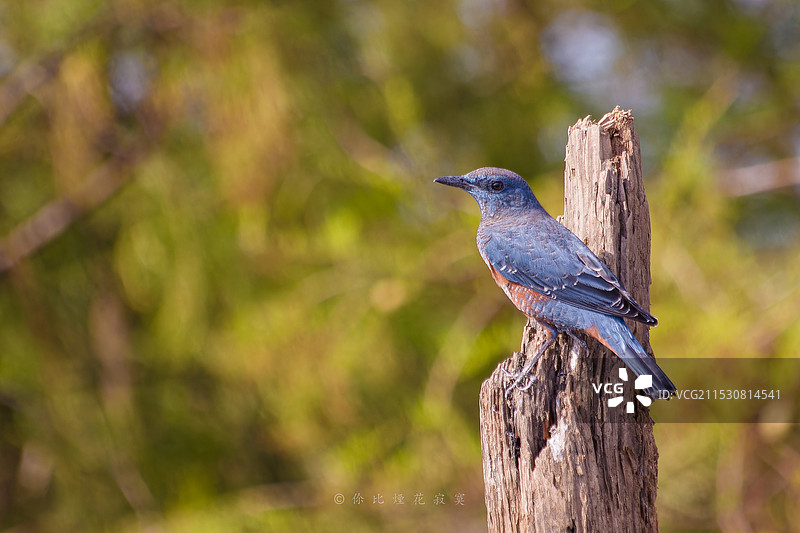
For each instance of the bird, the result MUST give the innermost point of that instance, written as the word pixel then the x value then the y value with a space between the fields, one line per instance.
pixel 550 275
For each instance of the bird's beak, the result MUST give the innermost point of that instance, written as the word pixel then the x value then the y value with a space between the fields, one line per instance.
pixel 454 181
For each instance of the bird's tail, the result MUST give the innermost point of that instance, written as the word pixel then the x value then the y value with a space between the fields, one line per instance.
pixel 617 337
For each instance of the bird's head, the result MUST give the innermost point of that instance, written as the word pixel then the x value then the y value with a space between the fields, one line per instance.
pixel 496 190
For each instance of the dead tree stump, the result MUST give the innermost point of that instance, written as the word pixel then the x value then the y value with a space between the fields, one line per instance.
pixel 556 457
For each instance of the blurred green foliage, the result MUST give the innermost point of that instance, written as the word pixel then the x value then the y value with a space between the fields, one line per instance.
pixel 275 305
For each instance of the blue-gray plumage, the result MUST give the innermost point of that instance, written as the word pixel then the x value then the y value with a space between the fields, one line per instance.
pixel 551 275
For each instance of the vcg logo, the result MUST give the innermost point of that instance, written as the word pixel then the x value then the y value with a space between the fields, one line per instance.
pixel 644 381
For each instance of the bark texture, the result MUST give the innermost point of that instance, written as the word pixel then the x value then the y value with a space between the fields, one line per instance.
pixel 556 457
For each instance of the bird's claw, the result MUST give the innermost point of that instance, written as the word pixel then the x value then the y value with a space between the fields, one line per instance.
pixel 518 378
pixel 527 370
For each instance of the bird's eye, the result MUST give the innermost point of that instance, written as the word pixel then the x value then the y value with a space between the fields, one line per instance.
pixel 497 185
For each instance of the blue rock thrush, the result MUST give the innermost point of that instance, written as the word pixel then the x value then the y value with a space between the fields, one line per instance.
pixel 551 275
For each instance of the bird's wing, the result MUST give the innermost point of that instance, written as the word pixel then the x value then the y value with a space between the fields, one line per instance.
pixel 561 266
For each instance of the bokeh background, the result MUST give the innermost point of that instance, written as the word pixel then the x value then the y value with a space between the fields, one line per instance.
pixel 231 292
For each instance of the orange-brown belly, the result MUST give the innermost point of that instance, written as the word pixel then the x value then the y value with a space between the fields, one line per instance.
pixel 524 298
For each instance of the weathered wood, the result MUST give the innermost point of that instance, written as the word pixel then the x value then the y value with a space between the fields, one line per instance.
pixel 556 457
